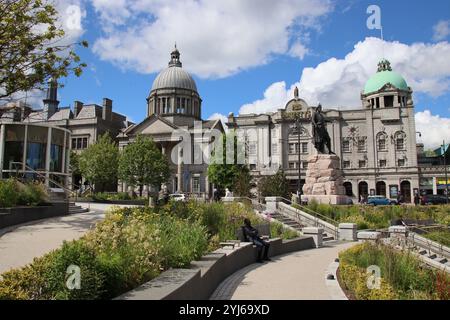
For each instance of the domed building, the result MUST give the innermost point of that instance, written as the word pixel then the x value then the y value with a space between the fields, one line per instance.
pixel 174 122
pixel 376 144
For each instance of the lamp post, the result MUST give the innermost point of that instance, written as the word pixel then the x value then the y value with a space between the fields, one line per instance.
pixel 445 170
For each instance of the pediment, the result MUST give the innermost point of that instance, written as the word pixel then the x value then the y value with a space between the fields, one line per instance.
pixel 153 125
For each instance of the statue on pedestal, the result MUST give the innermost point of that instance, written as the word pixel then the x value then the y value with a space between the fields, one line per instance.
pixel 320 133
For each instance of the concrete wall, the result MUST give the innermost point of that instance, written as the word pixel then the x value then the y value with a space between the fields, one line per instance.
pixel 205 275
pixel 13 216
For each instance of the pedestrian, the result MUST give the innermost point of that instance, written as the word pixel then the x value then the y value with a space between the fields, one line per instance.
pixel 251 234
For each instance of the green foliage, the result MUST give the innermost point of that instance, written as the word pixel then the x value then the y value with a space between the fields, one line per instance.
pixel 130 247
pixel 29 58
pixel 276 185
pixel 439 236
pixel 142 163
pixel 225 171
pixel 98 163
pixel 370 217
pixel 8 193
pixel 403 276
pixel 74 163
pixel 14 193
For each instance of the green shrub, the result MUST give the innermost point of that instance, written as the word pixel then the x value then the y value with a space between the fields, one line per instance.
pixel 442 237
pixel 32 194
pixel 402 272
pixel 8 193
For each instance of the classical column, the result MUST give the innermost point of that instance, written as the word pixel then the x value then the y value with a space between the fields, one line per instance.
pixel 48 156
pixel 2 148
pixel 180 169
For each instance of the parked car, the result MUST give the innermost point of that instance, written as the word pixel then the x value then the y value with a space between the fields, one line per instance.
pixel 433 199
pixel 177 197
pixel 379 201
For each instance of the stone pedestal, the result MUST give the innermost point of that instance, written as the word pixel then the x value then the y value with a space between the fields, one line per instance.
pixel 347 231
pixel 315 233
pixel 324 180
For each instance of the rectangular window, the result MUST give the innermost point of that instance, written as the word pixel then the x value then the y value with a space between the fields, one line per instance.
pixel 304 147
pixel 400 144
pixel 252 166
pixel 292 148
pixel 401 162
pixel 388 101
pixel 196 185
pixel 85 143
pixel 292 165
pixel 362 163
pixel 346 164
pixel 383 163
pixel 74 143
pixel 79 142
pixel 305 164
pixel 346 146
pixel 362 145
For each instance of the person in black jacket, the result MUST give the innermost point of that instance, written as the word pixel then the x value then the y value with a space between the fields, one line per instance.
pixel 251 234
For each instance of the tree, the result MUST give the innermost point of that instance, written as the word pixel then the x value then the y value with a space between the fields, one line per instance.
pixel 31 48
pixel 229 175
pixel 74 163
pixel 142 163
pixel 98 163
pixel 274 186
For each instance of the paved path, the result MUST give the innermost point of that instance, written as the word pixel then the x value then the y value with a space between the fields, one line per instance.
pixel 296 276
pixel 19 246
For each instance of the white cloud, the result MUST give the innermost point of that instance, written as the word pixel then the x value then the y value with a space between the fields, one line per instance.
pixel 275 97
pixel 434 129
pixel 441 30
pixel 216 38
pixel 339 82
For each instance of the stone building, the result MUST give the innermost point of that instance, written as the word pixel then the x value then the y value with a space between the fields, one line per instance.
pixel 376 143
pixel 175 124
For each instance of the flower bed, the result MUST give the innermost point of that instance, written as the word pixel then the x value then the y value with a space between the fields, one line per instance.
pixel 14 193
pixel 402 275
pixel 130 247
pixel 370 217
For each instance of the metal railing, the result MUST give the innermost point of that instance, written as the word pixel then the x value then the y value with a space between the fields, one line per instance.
pixel 311 220
pixel 311 212
pixel 28 169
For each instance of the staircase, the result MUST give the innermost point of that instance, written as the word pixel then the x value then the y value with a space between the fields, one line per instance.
pixel 297 220
pixel 432 253
pixel 73 208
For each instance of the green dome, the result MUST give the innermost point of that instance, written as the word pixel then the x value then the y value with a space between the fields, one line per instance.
pixel 384 76
pixel 379 79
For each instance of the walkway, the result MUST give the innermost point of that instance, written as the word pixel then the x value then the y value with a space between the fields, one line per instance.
pixel 296 276
pixel 19 246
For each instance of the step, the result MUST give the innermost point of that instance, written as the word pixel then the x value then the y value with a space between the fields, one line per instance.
pixel 327 238
pixel 82 210
pixel 432 256
pixel 423 252
pixel 441 260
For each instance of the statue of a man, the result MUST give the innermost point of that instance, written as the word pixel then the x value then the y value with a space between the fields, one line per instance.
pixel 321 136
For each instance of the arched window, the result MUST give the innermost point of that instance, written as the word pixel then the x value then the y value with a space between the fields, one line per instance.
pixel 400 140
pixel 382 141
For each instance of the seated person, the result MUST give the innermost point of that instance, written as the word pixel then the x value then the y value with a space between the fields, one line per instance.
pixel 251 234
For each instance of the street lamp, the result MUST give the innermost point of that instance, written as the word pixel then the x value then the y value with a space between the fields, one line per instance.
pixel 445 170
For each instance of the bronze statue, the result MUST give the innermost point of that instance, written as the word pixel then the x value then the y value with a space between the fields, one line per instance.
pixel 320 133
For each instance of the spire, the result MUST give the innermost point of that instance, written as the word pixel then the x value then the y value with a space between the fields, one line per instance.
pixel 51 100
pixel 52 90
pixel 296 92
pixel 175 58
pixel 384 65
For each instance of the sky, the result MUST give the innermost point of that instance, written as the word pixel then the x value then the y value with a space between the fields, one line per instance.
pixel 246 56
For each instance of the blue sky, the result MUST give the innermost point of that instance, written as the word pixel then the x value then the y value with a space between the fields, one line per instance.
pixel 242 53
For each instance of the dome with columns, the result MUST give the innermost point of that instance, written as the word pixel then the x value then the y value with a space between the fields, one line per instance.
pixel 174 91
